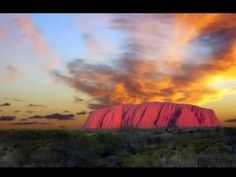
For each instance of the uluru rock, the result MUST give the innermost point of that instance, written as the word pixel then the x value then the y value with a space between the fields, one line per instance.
pixel 152 115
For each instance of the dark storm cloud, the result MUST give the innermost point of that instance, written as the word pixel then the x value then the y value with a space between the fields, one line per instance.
pixel 96 106
pixel 7 118
pixel 220 41
pixel 5 104
pixel 24 119
pixel 55 116
pixel 29 123
pixel 36 105
pixel 58 116
pixel 36 117
pixel 81 113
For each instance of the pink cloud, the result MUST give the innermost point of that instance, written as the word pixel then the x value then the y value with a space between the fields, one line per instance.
pixel 38 41
pixel 12 72
pixel 23 48
pixel 99 45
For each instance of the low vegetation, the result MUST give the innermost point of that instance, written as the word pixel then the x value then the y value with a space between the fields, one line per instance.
pixel 122 148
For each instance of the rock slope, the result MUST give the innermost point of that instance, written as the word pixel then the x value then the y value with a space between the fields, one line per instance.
pixel 152 115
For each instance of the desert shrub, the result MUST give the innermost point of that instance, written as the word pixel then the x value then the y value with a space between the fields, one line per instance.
pixel 108 144
pixel 216 160
pixel 113 161
pixel 75 151
pixel 44 157
pixel 133 139
pixel 125 148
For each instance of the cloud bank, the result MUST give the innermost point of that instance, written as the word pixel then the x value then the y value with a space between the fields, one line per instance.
pixel 36 105
pixel 230 120
pixel 54 116
pixel 5 104
pixel 165 57
pixel 77 99
pixel 30 123
pixel 7 118
pixel 81 113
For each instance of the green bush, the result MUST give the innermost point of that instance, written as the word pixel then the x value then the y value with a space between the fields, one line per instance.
pixel 128 147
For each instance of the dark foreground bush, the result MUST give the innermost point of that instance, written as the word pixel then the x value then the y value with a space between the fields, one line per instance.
pixel 123 148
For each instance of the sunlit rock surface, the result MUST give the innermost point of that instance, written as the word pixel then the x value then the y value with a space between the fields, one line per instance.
pixel 152 115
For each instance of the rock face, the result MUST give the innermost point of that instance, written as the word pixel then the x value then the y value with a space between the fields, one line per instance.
pixel 152 115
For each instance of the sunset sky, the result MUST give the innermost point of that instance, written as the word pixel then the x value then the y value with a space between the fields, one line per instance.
pixel 56 68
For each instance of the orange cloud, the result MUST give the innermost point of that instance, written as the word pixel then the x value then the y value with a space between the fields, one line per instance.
pixel 167 57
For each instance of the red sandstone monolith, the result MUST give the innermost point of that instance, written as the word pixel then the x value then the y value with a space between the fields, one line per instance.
pixel 152 115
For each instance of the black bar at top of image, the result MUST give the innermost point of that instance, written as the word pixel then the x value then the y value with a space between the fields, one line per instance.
pixel 123 6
